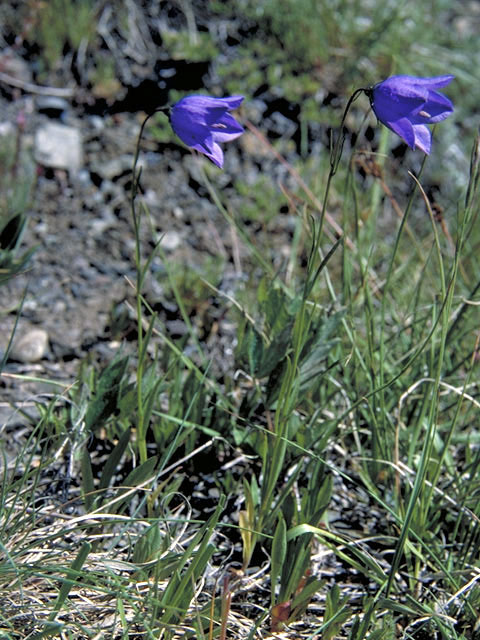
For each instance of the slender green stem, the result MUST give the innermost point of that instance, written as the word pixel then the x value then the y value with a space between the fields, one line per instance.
pixel 141 271
pixel 335 157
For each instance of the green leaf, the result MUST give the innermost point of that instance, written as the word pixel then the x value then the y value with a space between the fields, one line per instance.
pixel 141 473
pixel 148 545
pixel 276 351
pixel 135 478
pixel 336 613
pixel 105 398
pixel 254 350
pixel 113 460
pixel 50 629
pixel 274 306
pixel 12 231
pixel 301 600
pixel 295 567
pixel 10 239
pixel 279 551
pixel 247 519
pixel 275 381
pixel 317 496
pixel 322 339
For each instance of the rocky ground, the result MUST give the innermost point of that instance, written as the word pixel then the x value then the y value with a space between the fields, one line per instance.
pixel 72 300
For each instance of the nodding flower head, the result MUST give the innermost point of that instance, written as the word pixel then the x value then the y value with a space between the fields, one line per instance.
pixel 406 104
pixel 202 122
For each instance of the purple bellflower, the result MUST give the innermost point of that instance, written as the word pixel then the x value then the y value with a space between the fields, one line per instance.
pixel 201 122
pixel 406 104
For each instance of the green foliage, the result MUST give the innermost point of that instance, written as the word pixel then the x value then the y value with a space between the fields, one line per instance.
pixel 194 46
pixel 73 573
pixel 291 552
pixel 107 389
pixel 315 47
pixel 17 173
pixel 264 351
pixel 189 569
pixel 159 128
pixel 62 22
pixel 103 77
pixel 189 283
pixel 336 613
pixel 189 412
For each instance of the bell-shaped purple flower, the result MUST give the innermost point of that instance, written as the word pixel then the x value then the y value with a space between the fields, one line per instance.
pixel 201 122
pixel 406 104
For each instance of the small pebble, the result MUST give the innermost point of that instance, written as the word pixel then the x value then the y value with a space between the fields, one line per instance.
pixel 59 147
pixel 171 240
pixel 30 347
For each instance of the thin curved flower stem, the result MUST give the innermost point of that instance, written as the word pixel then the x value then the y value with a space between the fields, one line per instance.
pixel 141 427
pixel 335 157
pixel 294 173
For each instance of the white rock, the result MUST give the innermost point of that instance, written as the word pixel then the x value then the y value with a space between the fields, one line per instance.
pixel 29 347
pixel 171 240
pixel 58 146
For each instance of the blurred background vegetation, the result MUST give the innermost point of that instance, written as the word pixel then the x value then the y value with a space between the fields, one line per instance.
pixel 302 51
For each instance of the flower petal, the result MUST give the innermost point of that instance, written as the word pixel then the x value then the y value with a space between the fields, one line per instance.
pixel 217 155
pixel 403 128
pixel 204 145
pixel 207 102
pixel 214 152
pixel 402 86
pixel 423 138
pixel 190 132
pixel 204 103
pixel 436 82
pixel 226 129
pixel 221 136
pixel 231 102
